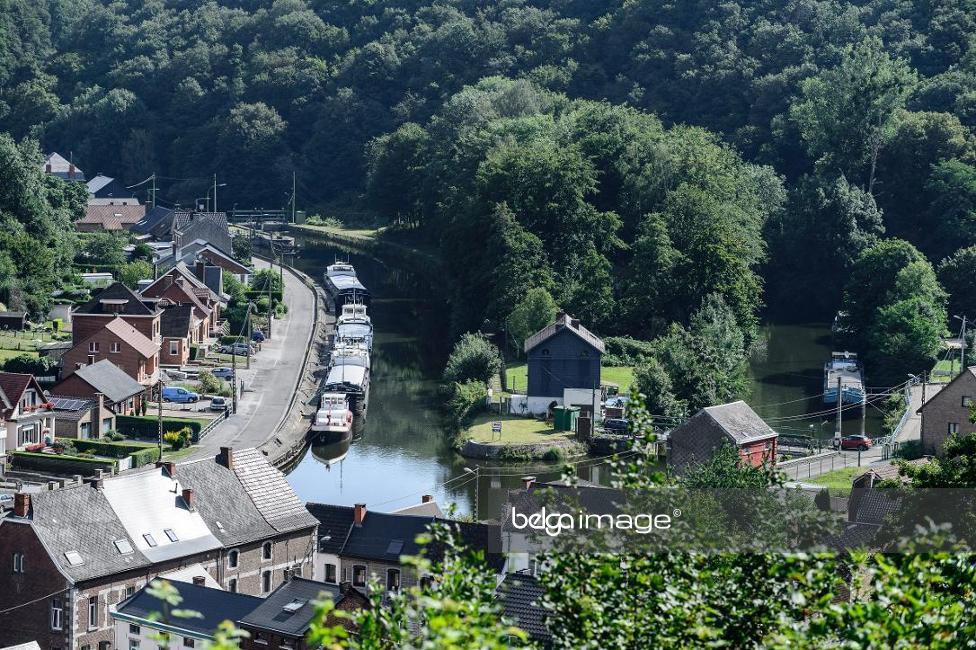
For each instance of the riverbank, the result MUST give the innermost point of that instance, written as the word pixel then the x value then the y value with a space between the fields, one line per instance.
pixel 375 241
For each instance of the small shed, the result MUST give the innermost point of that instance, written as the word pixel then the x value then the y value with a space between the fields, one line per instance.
pixel 13 320
pixel 563 355
pixel 697 440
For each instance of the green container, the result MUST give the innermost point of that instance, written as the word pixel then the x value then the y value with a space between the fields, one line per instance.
pixel 564 418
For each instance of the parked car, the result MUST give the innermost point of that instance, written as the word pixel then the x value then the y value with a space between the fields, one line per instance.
pixel 257 336
pixel 855 442
pixel 223 373
pixel 218 404
pixel 177 375
pixel 238 349
pixel 616 425
pixel 179 395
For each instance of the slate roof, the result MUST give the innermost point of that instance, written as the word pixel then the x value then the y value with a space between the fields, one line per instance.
pixel 60 167
pixel 116 291
pixel 81 519
pixel 98 183
pixel 182 220
pixel 142 344
pixel 157 221
pixel 113 217
pixel 110 380
pixel 190 252
pixel 271 615
pixel 334 524
pixel 270 492
pixel 872 506
pixel 520 595
pixel 175 321
pixel 736 420
pixel 564 322
pixel 215 606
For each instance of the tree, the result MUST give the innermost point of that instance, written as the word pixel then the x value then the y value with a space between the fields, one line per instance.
pixel 242 248
pixel 654 383
pixel 473 358
pixel 950 218
pixel 131 273
pixel 536 310
pixel 103 248
pixel 265 278
pixel 845 113
pixel 956 274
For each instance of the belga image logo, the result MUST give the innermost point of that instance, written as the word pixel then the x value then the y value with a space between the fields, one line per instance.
pixel 555 523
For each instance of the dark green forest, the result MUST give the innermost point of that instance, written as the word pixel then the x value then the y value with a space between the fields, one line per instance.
pixel 632 158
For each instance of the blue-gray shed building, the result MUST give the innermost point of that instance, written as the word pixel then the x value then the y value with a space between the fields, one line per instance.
pixel 563 355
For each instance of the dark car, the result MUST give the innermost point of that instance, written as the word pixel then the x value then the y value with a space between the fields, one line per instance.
pixel 855 442
pixel 616 425
pixel 257 336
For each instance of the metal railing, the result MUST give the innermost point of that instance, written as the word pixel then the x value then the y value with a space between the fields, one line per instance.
pixel 810 467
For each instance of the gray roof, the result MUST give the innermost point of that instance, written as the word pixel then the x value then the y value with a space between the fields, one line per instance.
pixel 99 182
pixel 521 595
pixel 110 380
pixel 157 221
pixel 594 500
pixel 71 408
pixel 134 305
pixel 271 614
pixel 334 525
pixel 175 321
pixel 736 421
pixel 61 167
pixel 270 492
pixel 564 322
pixel 214 605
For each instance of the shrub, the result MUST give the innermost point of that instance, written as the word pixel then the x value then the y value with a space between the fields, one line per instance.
pixel 61 464
pixel 329 222
pixel 228 339
pixel 208 383
pixel 626 351
pixel 178 439
pixel 146 427
pixel 474 358
pixel 463 401
pixel 144 456
pixel 27 364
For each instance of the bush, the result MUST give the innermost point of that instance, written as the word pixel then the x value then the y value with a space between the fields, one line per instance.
pixel 30 365
pixel 144 456
pixel 146 427
pixel 178 439
pixel 626 351
pixel 209 384
pixel 474 358
pixel 228 339
pixel 329 222
pixel 60 464
pixel 463 402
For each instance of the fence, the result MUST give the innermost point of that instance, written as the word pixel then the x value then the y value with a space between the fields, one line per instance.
pixel 213 425
pixel 814 466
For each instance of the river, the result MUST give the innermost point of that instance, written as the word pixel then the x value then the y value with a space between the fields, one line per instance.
pixel 401 452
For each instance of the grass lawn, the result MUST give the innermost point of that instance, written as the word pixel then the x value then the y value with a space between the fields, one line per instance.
pixel 514 430
pixel 353 233
pixel 517 375
pixel 176 455
pixel 838 480
pixel 10 354
pixel 944 371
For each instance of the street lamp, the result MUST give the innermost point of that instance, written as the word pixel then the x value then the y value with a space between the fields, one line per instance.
pixel 476 472
pixel 962 348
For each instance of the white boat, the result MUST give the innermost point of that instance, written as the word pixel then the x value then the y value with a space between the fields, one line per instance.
pixel 354 313
pixel 333 416
pixel 350 353
pixel 343 285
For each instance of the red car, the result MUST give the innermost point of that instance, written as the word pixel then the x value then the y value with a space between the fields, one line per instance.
pixel 855 442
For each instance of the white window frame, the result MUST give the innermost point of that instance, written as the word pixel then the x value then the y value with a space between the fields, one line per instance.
pixel 19 563
pixel 93 612
pixel 57 613
pixel 365 575
pixel 174 347
pixel 335 573
pixel 93 346
pixel 116 347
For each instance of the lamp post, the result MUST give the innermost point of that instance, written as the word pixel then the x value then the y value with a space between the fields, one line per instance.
pixel 962 349
pixel 476 472
pixel 159 416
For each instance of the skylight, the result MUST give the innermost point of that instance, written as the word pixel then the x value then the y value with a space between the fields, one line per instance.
pixel 395 547
pixel 172 536
pixel 123 546
pixel 294 606
pixel 150 540
pixel 73 557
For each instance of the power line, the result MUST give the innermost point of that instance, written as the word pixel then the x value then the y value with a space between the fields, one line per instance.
pixel 31 602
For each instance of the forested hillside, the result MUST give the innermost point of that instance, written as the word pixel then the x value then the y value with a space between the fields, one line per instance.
pixel 630 157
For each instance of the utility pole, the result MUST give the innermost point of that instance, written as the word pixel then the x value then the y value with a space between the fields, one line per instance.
pixel 962 362
pixel 293 188
pixel 215 193
pixel 233 363
pixel 477 489
pixel 152 190
pixel 840 405
pixel 159 420
pixel 864 411
pixel 247 343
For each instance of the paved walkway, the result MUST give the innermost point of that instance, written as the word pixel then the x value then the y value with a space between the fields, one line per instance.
pixel 273 376
pixel 913 425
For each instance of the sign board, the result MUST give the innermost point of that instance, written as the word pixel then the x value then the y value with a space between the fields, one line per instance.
pixel 496 427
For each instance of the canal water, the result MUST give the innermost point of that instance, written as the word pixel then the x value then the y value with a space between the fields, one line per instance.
pixel 401 451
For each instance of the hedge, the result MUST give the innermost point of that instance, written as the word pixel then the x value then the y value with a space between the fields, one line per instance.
pixel 140 453
pixel 147 427
pixel 61 464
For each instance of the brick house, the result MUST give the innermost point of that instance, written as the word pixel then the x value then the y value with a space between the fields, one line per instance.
pixel 180 328
pixel 25 414
pixel 353 546
pixel 80 550
pixel 122 395
pixel 179 286
pixel 115 300
pixel 947 412
pixel 82 418
pixel 123 345
pixel 698 438
pixel 203 252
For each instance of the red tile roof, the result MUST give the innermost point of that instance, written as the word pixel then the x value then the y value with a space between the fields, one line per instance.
pixel 113 217
pixel 133 337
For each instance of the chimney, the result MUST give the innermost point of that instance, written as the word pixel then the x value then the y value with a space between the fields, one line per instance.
pixel 97 482
pixel 91 359
pixel 175 250
pixel 22 504
pixel 199 269
pixel 427 498
pixel 71 170
pixel 527 481
pixel 100 397
pixel 358 514
pixel 169 466
pixel 47 168
pixel 199 581
pixel 226 457
pixel 189 499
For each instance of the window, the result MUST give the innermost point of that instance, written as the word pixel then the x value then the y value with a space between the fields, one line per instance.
pixel 266 581
pixel 116 347
pixel 57 613
pixel 85 430
pixel 74 558
pixel 129 590
pixel 106 425
pixel 232 585
pixel 134 629
pixel 189 643
pixel 93 346
pixel 123 546
pixel 330 573
pixel 93 612
pixel 266 551
pixel 86 647
pixel 133 644
pixel 393 579
pixel 359 576
pixel 232 558
pixel 171 535
pixel 18 563
pixel 953 428
pixel 150 540
pixel 174 347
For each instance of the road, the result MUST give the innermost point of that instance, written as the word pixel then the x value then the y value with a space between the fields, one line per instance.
pixel 273 376
pixel 913 425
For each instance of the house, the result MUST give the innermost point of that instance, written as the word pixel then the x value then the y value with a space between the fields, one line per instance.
pixel 138 624
pixel 352 547
pixel 13 320
pixel 128 200
pixel 115 218
pixel 157 223
pixel 947 412
pixel 211 255
pixel 180 328
pixel 123 395
pixel 79 550
pixel 25 416
pixel 115 300
pixel 212 227
pixel 179 286
pixel 282 620
pixel 698 438
pixel 57 165
pixel 126 347
pixel 563 356
pixel 106 187
pixel 81 418
pixel 520 595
